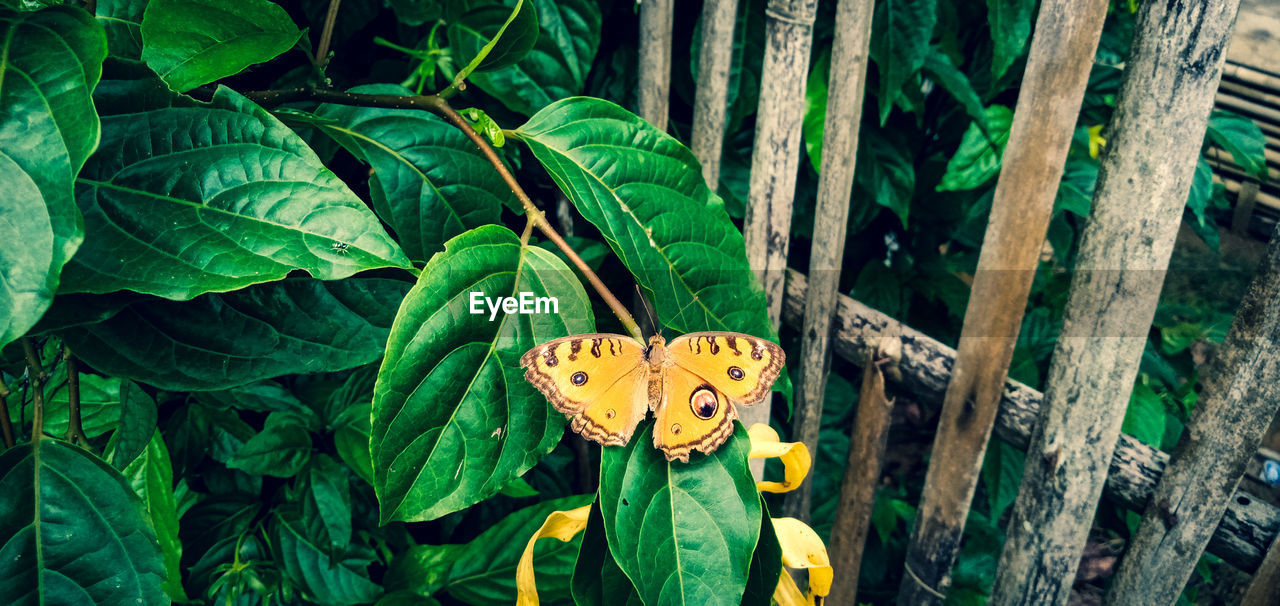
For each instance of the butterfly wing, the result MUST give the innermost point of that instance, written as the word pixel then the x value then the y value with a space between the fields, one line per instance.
pixel 597 380
pixel 693 415
pixel 739 366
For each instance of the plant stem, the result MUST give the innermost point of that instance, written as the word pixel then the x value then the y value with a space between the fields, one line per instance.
pixel 36 379
pixel 6 426
pixel 326 34
pixel 75 431
pixel 440 106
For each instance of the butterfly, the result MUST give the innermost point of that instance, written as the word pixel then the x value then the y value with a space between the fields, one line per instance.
pixel 606 384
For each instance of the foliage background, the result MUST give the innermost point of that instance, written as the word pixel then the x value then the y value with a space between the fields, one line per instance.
pixel 234 280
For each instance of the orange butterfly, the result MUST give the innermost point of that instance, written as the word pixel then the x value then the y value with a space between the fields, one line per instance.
pixel 606 384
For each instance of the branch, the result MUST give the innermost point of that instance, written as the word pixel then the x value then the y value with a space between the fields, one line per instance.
pixel 5 425
pixel 37 379
pixel 75 431
pixel 326 35
pixel 440 106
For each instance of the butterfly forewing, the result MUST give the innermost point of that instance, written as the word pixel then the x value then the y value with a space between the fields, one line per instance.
pixel 740 366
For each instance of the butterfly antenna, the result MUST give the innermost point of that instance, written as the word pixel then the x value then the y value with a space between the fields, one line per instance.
pixel 648 310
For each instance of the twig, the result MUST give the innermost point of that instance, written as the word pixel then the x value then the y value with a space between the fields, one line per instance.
pixel 440 106
pixel 326 35
pixel 6 426
pixel 75 432
pixel 36 381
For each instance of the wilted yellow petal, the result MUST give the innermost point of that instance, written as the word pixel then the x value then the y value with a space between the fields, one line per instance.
pixel 787 594
pixel 1096 142
pixel 794 456
pixel 801 548
pixel 563 525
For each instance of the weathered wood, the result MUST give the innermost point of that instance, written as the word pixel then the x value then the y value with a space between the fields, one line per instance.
pixel 715 58
pixel 654 74
pixel 839 156
pixel 1240 396
pixel 1057 72
pixel 923 368
pixel 858 488
pixel 1265 588
pixel 1246 200
pixel 775 158
pixel 1156 133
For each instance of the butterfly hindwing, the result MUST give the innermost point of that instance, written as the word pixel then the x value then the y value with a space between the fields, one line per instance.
pixel 597 380
pixel 740 366
pixel 693 415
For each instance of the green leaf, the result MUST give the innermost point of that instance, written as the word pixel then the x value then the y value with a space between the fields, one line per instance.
pixel 329 499
pixel 484 572
pixel 181 201
pixel 296 325
pixel 682 532
pixel 766 565
pixel 430 182
pixel 281 449
pixel 940 68
pixel 1010 22
pixel 151 477
pixel 416 12
pixel 1144 419
pixel 322 579
pixel 1241 138
pixel 1075 191
pixel 814 124
pixel 558 65
pixel 48 127
pixel 494 36
pixel 1001 474
pixel 886 174
pixel 122 21
pixel 597 580
pixel 194 42
pixel 422 569
pixel 351 440
pixel 73 531
pixel 451 394
pixel 519 489
pixel 99 406
pixel 262 396
pixel 978 160
pixel 900 34
pixel 137 424
pixel 643 190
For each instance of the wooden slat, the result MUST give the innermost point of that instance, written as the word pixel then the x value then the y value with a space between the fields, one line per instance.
pixel 715 57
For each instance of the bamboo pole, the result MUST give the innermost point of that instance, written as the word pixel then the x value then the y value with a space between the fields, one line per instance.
pixel 1057 71
pixel 858 488
pixel 922 367
pixel 1240 396
pixel 653 96
pixel 1157 129
pixel 846 84
pixel 775 158
pixel 715 59
pixel 1266 582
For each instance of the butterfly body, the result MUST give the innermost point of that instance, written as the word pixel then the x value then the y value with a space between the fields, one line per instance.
pixel 606 384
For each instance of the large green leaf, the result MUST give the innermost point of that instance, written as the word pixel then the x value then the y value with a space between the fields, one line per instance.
pixel 323 579
pixel 1010 29
pixel 218 341
pixel 643 190
pixel 453 418
pixel 122 21
pixel 484 572
pixel 194 42
pixel 181 201
pixel 900 36
pixel 683 532
pixel 138 418
pixel 558 64
pixel 939 67
pixel 597 580
pixel 978 159
pixel 430 182
pixel 72 531
pixel 1242 139
pixel 48 127
pixel 150 474
pixel 494 36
